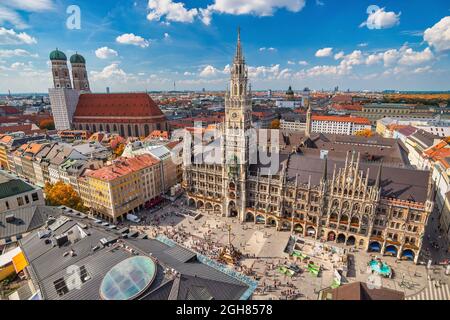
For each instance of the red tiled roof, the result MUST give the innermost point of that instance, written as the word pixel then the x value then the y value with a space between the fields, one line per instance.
pixel 117 105
pixel 26 128
pixel 9 110
pixel 123 167
pixel 348 107
pixel 357 120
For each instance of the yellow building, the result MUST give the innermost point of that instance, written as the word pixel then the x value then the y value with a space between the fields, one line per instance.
pixel 123 187
pixel 4 141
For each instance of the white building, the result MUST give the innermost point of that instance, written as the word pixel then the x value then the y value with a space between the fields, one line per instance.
pixel 292 125
pixel 63 102
pixel 436 126
pixel 339 125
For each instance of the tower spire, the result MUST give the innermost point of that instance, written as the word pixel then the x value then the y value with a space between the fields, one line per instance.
pixel 238 46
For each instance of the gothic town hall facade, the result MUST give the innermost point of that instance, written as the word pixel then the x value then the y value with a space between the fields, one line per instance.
pixel 376 206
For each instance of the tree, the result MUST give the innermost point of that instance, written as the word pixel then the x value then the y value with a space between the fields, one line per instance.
pixel 47 124
pixel 364 133
pixel 119 149
pixel 275 124
pixel 62 194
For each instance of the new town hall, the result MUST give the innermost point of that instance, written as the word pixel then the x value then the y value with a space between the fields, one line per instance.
pixel 353 190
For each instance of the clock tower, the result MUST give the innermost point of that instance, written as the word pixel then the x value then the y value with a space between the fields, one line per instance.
pixel 238 119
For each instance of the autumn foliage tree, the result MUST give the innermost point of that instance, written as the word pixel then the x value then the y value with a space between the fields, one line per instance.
pixel 119 149
pixel 364 133
pixel 275 124
pixel 62 194
pixel 47 124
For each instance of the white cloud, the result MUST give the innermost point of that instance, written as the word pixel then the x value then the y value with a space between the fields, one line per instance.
pixel 291 62
pixel 209 71
pixel 12 17
pixel 339 55
pixel 8 10
pixel 9 36
pixel 105 53
pixel 325 52
pixel 438 36
pixel 422 70
pixel 16 53
pixel 374 59
pixel 380 19
pixel 17 65
pixel 111 71
pixel 256 7
pixel 267 49
pixel 303 63
pixel 410 57
pixel 166 35
pixel 31 5
pixel 130 38
pixel 363 44
pixel 171 11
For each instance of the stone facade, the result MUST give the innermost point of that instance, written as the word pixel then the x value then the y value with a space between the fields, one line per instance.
pixel 359 204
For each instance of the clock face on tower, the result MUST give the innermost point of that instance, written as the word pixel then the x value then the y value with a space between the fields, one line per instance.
pixel 234 115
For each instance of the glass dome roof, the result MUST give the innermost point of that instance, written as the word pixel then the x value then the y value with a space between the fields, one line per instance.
pixel 128 279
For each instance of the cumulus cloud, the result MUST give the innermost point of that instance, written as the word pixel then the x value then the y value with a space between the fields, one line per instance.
pixel 130 38
pixel 303 63
pixel 438 36
pixel 380 19
pixel 105 53
pixel 16 53
pixel 111 71
pixel 325 52
pixel 256 7
pixel 9 36
pixel 209 71
pixel 410 57
pixel 171 11
pixel 339 55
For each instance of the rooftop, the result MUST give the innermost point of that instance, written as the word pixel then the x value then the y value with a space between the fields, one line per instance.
pixel 356 120
pixel 11 185
pixel 117 105
pixel 175 272
pixel 123 166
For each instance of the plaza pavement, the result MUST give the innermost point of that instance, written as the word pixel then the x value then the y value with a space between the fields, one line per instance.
pixel 267 246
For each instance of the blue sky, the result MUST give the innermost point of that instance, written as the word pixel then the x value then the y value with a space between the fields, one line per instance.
pixel 139 45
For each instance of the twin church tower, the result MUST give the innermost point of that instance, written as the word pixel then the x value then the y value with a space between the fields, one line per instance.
pixel 66 91
pixel 61 75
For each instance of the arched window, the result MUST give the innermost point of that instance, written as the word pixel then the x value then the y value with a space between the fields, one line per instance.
pixel 94 128
pixel 146 130
pixel 101 127
pixel 107 128
pixel 136 130
pixel 129 130
pixel 122 130
pixel 114 128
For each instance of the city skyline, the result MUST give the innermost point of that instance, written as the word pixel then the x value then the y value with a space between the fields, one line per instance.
pixel 149 45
